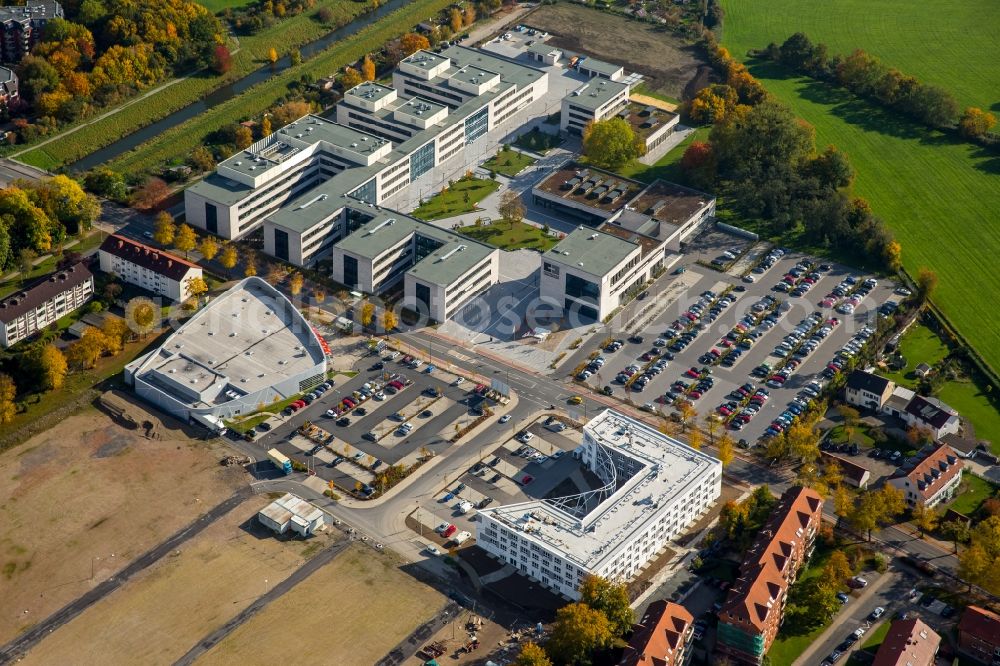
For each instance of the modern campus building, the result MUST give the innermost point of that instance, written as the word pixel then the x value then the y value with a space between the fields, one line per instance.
pixel 593 101
pixel 22 26
pixel 753 610
pixel 654 488
pixel 979 635
pixel 630 231
pixel 440 270
pixel 28 311
pixel 931 479
pixel 661 638
pixel 154 270
pixel 249 347
pixel 908 643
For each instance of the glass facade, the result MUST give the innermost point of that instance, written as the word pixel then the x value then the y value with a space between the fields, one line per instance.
pixel 477 124
pixel 423 294
pixel 211 218
pixel 281 244
pixel 366 192
pixel 585 290
pixel 424 246
pixel 350 271
pixel 422 161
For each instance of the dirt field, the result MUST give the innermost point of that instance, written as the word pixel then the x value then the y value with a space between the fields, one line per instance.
pixel 352 611
pixel 159 615
pixel 83 499
pixel 667 62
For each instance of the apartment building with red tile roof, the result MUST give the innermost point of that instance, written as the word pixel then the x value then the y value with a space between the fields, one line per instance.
pixel 933 479
pixel 979 635
pixel 661 637
pixel 750 617
pixel 908 643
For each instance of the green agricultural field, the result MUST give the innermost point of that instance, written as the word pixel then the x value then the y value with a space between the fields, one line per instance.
pixel 937 194
pixel 951 43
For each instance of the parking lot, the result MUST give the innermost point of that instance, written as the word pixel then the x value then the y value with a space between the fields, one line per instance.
pixel 732 326
pixel 432 403
pixel 517 469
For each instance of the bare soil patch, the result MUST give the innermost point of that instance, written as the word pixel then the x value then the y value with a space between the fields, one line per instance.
pixel 352 611
pixel 81 500
pixel 159 615
pixel 667 61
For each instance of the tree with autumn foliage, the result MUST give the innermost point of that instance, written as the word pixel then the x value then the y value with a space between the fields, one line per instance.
pixel 350 78
pixel 455 19
pixel 713 103
pixel 532 655
pixel 411 42
pixel 611 143
pixel 610 599
pixel 976 123
pixel 578 634
pixel 368 68
pixel 698 164
pixel 222 60
pixel 151 194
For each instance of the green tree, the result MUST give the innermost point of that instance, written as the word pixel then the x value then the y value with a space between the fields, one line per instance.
pixel 164 229
pixel 185 240
pixel 957 532
pixel 611 599
pixel 611 143
pixel 924 518
pixel 532 655
pixel 577 634
pixel 201 159
pixel 64 201
pixel 979 564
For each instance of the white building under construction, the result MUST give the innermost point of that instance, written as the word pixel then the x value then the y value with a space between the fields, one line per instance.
pixel 655 487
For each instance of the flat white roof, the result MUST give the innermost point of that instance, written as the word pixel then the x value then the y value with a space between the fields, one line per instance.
pixel 291 508
pixel 668 469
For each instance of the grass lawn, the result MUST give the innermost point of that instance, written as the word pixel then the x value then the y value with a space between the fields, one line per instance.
pixel 176 144
pixel 509 162
pixel 667 167
pixel 860 436
pixel 506 237
pixel 934 191
pixel 461 197
pixel 919 345
pixel 538 141
pixel 972 492
pixel 216 6
pixel 876 637
pixel 643 89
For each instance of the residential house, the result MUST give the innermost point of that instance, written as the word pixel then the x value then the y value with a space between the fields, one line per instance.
pixel 854 474
pixel 661 638
pixel 867 390
pixel 932 415
pixel 22 26
pixel 750 617
pixel 157 271
pixel 908 643
pixel 26 312
pixel 979 635
pixel 8 87
pixel 932 479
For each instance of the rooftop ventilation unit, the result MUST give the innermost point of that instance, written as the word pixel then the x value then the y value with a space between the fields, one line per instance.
pixel 319 197
pixel 378 226
pixel 460 248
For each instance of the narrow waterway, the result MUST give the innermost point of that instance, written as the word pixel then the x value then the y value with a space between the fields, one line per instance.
pixel 227 92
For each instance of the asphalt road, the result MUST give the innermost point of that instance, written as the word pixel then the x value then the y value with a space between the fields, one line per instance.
pixel 25 641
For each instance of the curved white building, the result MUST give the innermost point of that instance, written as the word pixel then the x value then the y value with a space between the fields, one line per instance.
pixel 248 348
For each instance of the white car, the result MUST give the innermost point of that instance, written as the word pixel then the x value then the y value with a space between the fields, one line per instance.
pixel 379 396
pixel 331 413
pixel 877 613
pixel 458 381
pixel 432 549
pixel 505 418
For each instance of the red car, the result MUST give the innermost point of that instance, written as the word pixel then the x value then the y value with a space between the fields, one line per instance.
pixel 692 373
pixel 695 395
pixel 526 479
pixel 724 410
pixel 451 529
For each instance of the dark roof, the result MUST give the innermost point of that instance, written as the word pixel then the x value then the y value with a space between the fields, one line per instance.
pixel 155 260
pixel 981 623
pixel 848 468
pixel 859 380
pixel 48 288
pixel 927 412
